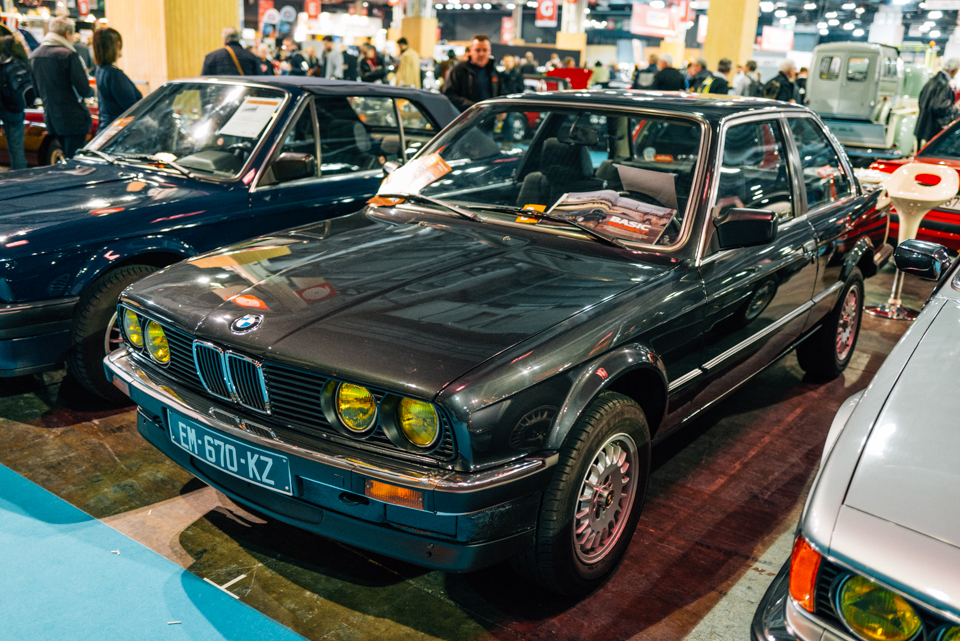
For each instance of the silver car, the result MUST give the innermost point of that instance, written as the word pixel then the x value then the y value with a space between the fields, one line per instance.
pixel 877 553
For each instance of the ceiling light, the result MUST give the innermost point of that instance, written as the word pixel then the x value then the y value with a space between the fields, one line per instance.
pixel 810 6
pixel 935 33
pixel 860 10
pixel 848 26
pixel 830 14
pixel 833 23
pixel 929 24
pixel 586 11
pixel 821 25
pixel 487 6
pixel 849 6
pixel 858 32
pixel 924 28
pixel 935 15
pixel 824 32
pixel 900 2
pixel 766 7
pixel 780 13
pixel 656 4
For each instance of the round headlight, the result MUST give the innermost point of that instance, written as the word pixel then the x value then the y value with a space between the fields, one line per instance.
pixel 875 613
pixel 949 634
pixel 418 422
pixel 131 328
pixel 356 407
pixel 157 343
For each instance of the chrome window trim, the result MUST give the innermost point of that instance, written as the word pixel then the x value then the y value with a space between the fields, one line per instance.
pixel 837 149
pixel 686 232
pixel 227 355
pixel 223 369
pixel 256 150
pixel 683 380
pixel 766 331
pixel 296 112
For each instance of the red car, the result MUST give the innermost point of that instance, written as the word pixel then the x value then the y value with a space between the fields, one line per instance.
pixel 942 225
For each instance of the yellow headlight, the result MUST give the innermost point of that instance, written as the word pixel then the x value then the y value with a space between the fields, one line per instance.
pixel 131 328
pixel 418 422
pixel 356 407
pixel 157 343
pixel 875 613
pixel 949 634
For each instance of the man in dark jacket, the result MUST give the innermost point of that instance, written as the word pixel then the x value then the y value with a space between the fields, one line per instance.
pixel 296 64
pixel 781 86
pixel 474 79
pixel 717 82
pixel 937 108
pixel 231 59
pixel 667 78
pixel 370 66
pixel 698 74
pixel 61 83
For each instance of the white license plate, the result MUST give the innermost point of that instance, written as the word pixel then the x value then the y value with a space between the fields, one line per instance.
pixel 233 456
pixel 951 205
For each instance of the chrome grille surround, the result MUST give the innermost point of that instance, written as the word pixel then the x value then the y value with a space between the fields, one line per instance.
pixel 231 376
pixel 211 367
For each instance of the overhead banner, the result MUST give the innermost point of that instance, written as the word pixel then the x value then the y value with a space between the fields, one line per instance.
pixel 776 39
pixel 312 7
pixel 506 29
pixel 546 13
pixel 702 29
pixel 662 23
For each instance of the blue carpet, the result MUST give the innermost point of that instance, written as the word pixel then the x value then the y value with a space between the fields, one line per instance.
pixel 60 580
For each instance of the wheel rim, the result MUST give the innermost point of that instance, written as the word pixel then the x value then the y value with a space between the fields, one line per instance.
pixel 605 499
pixel 847 326
pixel 57 156
pixel 760 300
pixel 113 339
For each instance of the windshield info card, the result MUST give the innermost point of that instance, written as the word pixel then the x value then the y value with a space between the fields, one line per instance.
pixel 616 215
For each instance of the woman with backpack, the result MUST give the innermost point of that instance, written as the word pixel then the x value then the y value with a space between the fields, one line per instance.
pixel 14 86
pixel 115 91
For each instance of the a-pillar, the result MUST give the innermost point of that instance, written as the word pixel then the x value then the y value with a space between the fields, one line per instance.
pixel 168 39
pixel 572 33
pixel 419 27
pixel 731 31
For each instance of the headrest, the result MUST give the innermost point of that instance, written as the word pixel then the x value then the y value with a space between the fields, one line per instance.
pixel 351 130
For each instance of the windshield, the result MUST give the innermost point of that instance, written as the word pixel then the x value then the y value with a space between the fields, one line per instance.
pixel 946 145
pixel 204 127
pixel 623 174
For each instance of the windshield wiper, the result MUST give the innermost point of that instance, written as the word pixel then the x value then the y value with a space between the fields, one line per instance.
pixel 533 213
pixel 463 213
pixel 154 158
pixel 100 154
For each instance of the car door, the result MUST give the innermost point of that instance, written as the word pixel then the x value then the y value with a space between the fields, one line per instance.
pixel 836 211
pixel 348 160
pixel 757 298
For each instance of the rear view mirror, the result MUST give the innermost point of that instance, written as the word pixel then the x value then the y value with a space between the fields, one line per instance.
pixel 745 227
pixel 920 258
pixel 293 166
pixel 390 166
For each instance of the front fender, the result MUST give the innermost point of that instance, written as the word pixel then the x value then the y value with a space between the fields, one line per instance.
pixel 862 248
pixel 596 377
pixel 123 251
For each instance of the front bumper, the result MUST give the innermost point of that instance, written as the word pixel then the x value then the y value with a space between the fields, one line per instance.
pixel 34 336
pixel 470 521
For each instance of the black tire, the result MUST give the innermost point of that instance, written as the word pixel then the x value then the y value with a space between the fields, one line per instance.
pixel 52 152
pixel 91 319
pixel 555 558
pixel 821 355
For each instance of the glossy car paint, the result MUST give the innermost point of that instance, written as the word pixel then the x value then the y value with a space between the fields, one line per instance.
pixel 63 226
pixel 888 452
pixel 492 322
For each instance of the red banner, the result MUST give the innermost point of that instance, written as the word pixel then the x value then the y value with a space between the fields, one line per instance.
pixel 312 7
pixel 546 13
pixel 506 29
pixel 83 7
pixel 662 23
pixel 262 7
pixel 776 39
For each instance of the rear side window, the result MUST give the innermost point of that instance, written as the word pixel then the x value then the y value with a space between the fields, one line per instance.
pixel 824 175
pixel 857 69
pixel 356 133
pixel 830 68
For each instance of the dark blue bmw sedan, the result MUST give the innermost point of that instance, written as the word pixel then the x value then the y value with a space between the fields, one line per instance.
pixel 198 164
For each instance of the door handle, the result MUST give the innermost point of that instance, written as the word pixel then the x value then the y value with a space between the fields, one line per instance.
pixel 809 249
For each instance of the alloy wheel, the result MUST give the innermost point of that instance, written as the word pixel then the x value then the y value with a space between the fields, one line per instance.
pixel 847 324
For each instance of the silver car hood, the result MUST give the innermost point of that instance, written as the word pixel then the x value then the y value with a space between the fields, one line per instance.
pixel 909 471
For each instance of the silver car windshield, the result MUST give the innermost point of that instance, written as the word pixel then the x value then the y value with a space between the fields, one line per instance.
pixel 207 128
pixel 623 174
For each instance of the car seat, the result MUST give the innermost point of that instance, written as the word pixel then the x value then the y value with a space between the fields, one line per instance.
pixel 564 168
pixel 348 142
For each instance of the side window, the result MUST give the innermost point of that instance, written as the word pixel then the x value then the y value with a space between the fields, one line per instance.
pixel 857 69
pixel 356 133
pixel 417 128
pixel 298 153
pixel 825 178
pixel 754 173
pixel 830 68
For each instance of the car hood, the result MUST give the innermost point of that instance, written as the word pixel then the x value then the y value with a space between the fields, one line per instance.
pixel 909 471
pixel 400 306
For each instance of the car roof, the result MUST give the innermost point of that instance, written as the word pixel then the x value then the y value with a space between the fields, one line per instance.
pixel 712 107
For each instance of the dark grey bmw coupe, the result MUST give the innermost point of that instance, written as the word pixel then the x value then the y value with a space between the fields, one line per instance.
pixel 475 367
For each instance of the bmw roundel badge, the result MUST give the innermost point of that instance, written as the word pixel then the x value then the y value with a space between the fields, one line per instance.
pixel 246 323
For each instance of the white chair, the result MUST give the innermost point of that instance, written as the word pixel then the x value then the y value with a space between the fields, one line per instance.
pixel 913 200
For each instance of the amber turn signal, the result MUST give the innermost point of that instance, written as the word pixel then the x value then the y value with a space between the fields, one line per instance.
pixel 393 494
pixel 804 564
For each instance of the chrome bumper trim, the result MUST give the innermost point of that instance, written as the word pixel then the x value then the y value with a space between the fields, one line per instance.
pixel 197 408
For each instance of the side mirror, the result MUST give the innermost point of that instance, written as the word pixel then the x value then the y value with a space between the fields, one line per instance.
pixel 390 166
pixel 745 227
pixel 293 166
pixel 929 261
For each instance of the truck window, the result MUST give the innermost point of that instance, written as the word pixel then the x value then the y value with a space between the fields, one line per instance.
pixel 830 68
pixel 857 69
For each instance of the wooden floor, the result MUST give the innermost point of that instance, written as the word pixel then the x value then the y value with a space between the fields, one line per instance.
pixel 723 491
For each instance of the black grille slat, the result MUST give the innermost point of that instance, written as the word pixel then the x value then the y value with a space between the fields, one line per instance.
pixel 245 375
pixel 211 369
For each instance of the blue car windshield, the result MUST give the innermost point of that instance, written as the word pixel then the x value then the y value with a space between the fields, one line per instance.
pixel 209 128
pixel 622 173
